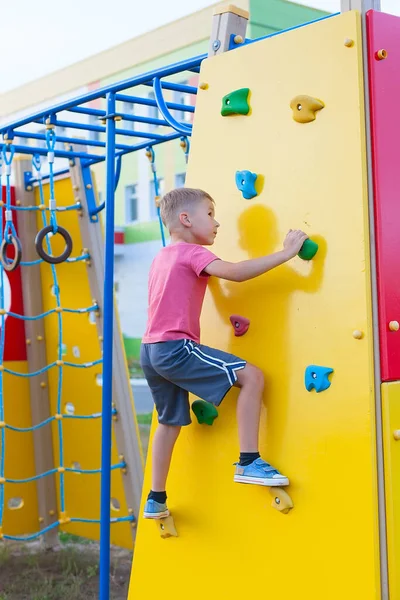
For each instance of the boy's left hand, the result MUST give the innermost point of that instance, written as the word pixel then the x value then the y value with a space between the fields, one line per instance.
pixel 294 240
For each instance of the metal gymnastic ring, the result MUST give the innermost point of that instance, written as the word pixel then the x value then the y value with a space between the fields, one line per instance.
pixel 54 260
pixel 10 264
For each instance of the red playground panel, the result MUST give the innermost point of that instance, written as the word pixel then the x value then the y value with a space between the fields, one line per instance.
pixel 383 33
pixel 14 343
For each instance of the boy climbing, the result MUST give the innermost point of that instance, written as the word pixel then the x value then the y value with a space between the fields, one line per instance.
pixel 173 360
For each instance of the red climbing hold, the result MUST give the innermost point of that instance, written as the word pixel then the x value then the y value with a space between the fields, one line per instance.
pixel 239 324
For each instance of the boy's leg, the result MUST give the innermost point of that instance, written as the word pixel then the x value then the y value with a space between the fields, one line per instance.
pixel 163 445
pixel 251 468
pixel 250 380
pixel 173 410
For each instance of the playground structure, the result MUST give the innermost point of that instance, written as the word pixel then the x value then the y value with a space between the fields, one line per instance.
pixel 306 123
pixel 67 421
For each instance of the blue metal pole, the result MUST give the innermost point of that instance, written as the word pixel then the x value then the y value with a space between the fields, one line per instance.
pixel 162 107
pixel 149 102
pixel 108 318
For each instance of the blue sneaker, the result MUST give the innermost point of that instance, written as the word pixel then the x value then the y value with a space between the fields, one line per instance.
pixel 259 472
pixel 155 510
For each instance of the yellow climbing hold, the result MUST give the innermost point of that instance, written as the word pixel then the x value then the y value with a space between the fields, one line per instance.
pixel 166 527
pixel 281 500
pixel 305 108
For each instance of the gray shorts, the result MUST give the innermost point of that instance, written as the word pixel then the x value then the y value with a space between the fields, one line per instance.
pixel 173 369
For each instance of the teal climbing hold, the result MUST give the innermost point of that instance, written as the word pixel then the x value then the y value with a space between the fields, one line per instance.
pixel 316 377
pixel 236 103
pixel 246 183
pixel 308 250
pixel 205 412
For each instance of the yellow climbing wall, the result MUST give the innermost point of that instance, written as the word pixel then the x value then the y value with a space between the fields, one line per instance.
pixel 20 500
pixel 81 394
pixel 391 437
pixel 231 542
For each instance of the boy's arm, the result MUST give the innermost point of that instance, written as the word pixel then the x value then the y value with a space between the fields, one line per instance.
pixel 248 269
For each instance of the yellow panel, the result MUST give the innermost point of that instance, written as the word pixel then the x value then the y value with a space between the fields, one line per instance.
pixel 391 444
pixel 82 438
pixel 231 542
pixel 19 457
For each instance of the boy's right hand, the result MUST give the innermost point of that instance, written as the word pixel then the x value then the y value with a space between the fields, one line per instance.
pixel 293 242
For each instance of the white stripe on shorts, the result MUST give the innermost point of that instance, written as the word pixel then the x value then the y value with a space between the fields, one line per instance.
pixel 229 368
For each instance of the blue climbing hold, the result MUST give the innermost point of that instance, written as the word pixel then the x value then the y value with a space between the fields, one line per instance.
pixel 246 183
pixel 317 378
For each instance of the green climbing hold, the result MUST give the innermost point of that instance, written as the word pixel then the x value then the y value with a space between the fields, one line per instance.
pixel 236 103
pixel 204 411
pixel 308 250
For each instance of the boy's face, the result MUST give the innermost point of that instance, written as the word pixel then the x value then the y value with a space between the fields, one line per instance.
pixel 204 224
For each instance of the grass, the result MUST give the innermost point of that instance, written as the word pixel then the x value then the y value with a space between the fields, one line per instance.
pixel 144 419
pixel 142 232
pixel 30 572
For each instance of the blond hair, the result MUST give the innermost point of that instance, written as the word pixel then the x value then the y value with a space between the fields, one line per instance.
pixel 176 200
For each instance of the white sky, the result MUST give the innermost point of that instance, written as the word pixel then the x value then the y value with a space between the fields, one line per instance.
pixel 41 36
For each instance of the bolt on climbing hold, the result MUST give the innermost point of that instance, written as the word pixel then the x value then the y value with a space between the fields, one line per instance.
pixel 166 527
pixel 281 500
pixel 305 108
pixel 394 325
pixel 308 250
pixel 236 103
pixel 246 183
pixel 205 412
pixel 239 324
pixel 348 42
pixel 316 377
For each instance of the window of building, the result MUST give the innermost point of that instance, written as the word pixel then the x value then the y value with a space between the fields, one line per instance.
pixel 94 135
pixel 153 110
pixel 153 207
pixel 180 180
pixel 60 132
pixel 131 203
pixel 127 109
pixel 40 143
pixel 182 98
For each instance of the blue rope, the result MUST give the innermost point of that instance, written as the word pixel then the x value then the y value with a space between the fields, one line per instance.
pixel 51 366
pixel 77 311
pixel 7 153
pixel 152 158
pixel 51 419
pixel 121 465
pixel 75 259
pixel 77 206
pixel 34 536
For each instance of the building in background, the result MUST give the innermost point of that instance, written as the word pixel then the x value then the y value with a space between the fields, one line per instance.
pixel 138 235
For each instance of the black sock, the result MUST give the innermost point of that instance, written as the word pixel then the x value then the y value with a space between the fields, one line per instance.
pixel 160 497
pixel 246 458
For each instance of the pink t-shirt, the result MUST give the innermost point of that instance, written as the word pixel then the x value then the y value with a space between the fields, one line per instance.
pixel 177 286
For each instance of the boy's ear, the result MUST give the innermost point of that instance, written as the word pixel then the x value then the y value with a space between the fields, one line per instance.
pixel 185 219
